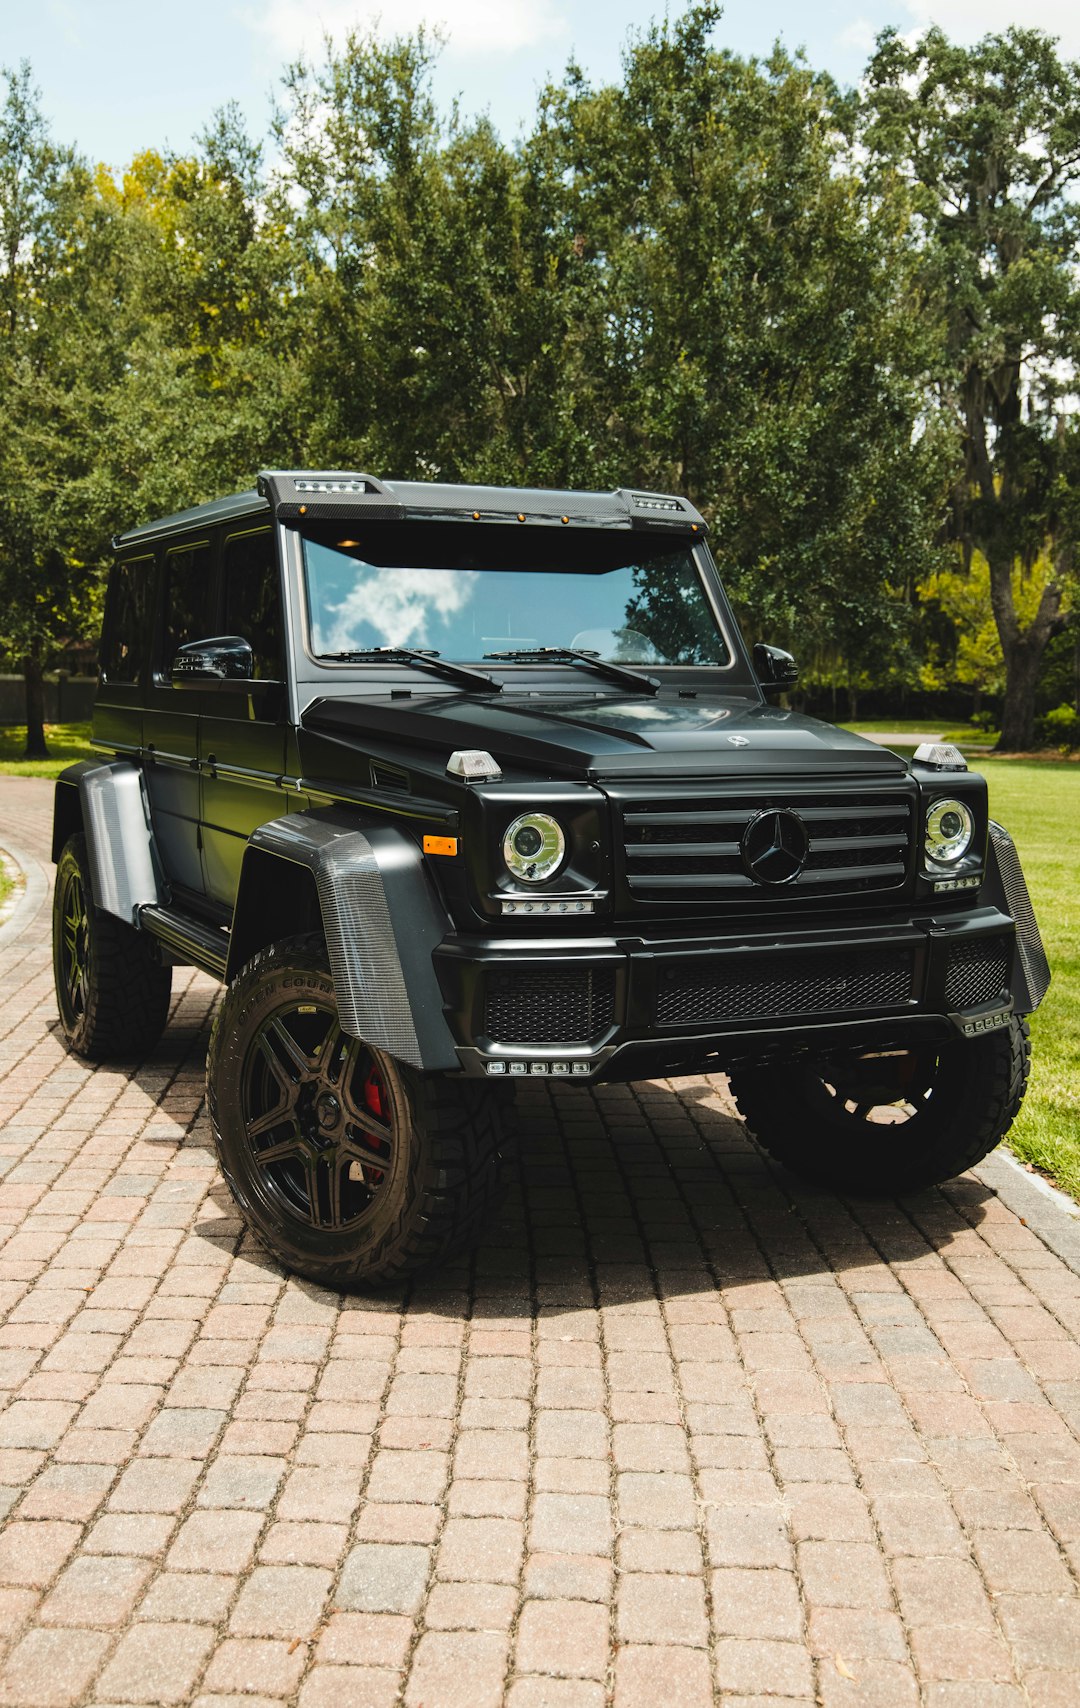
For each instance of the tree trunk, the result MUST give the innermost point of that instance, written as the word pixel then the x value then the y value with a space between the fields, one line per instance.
pixel 1022 663
pixel 1022 649
pixel 35 708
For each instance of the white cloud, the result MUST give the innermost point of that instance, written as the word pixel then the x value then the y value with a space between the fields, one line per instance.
pixel 969 20
pixel 860 34
pixel 476 27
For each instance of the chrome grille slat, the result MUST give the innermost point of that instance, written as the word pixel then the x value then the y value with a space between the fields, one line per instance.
pixel 662 850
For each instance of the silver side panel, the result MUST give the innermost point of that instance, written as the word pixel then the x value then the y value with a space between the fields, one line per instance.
pixel 1015 900
pixel 115 812
pixel 379 944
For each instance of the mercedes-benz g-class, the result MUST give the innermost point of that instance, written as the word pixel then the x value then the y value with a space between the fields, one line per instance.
pixel 457 786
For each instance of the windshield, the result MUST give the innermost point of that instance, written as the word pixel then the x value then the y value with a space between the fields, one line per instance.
pixel 625 599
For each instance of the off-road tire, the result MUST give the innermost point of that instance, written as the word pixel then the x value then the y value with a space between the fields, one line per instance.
pixel 112 989
pixel 976 1088
pixel 443 1136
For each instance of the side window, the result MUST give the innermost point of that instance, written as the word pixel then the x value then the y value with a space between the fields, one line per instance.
pixel 188 600
pixel 253 599
pixel 124 647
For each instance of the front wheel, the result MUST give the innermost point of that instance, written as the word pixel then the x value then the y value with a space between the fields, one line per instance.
pixel 350 1166
pixel 889 1121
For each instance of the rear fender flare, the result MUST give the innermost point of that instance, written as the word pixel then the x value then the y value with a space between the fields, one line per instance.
pixel 106 800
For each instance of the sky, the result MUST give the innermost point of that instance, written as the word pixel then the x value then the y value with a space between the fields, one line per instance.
pixel 118 76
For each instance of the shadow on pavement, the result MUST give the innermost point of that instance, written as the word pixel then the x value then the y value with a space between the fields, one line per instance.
pixel 623 1194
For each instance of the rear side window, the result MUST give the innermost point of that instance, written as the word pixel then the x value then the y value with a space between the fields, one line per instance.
pixel 123 652
pixel 188 600
pixel 253 599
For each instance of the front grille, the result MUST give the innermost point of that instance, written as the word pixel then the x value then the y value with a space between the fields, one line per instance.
pixel 978 972
pixel 770 986
pixel 569 1005
pixel 681 848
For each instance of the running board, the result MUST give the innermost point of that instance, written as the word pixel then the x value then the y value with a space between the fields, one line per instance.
pixel 192 941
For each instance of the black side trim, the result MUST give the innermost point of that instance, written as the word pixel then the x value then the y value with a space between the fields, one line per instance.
pixel 192 942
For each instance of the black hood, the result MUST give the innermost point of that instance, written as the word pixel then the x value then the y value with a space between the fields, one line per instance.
pixel 591 736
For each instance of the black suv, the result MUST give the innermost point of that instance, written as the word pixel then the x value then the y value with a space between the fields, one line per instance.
pixel 455 786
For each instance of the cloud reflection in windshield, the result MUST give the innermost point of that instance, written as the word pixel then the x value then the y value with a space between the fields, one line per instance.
pixel 395 607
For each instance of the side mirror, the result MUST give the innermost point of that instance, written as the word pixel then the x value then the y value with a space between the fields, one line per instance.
pixel 225 658
pixel 775 668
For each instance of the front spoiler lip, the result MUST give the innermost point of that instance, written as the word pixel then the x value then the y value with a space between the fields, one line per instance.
pixel 694 1052
pixel 926 1016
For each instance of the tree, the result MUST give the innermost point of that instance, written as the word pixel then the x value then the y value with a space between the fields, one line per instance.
pixel 207 387
pixel 987 139
pixel 42 204
pixel 433 304
pixel 741 328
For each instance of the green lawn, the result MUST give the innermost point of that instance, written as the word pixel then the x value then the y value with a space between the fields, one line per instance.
pixel 964 735
pixel 5 888
pixel 1038 802
pixel 66 743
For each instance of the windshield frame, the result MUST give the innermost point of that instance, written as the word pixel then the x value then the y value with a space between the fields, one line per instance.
pixel 735 670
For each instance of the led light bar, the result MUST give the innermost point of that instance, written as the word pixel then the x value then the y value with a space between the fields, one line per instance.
pixel 332 486
pixel 553 904
pixel 555 1070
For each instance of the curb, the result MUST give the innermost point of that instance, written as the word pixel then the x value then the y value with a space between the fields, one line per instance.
pixel 1050 1214
pixel 34 895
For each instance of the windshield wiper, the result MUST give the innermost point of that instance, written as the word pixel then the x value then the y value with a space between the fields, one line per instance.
pixel 459 673
pixel 571 655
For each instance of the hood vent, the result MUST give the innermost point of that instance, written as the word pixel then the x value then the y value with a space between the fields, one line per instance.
pixel 389 777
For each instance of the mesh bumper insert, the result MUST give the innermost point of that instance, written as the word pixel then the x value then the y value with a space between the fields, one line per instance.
pixel 566 1005
pixel 774 986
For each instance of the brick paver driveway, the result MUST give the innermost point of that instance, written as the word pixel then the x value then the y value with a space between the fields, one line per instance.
pixel 682 1431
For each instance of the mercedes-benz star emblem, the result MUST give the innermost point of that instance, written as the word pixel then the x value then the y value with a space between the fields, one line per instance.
pixel 774 846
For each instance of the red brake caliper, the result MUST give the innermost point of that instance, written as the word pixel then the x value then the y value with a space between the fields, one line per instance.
pixel 373 1098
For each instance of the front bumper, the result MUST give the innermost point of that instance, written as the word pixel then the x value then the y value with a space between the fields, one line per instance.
pixel 629 1006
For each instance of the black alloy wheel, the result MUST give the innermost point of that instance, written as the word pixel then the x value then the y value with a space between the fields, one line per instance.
pixel 893 1120
pixel 351 1166
pixel 73 945
pixel 112 987
pixel 317 1116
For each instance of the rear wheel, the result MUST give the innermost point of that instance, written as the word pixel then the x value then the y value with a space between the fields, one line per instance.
pixel 350 1166
pixel 111 989
pixel 893 1120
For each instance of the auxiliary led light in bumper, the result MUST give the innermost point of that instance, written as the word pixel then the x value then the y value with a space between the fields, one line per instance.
pixel 555 1070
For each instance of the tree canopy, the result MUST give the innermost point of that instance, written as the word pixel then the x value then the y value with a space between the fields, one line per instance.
pixel 845 324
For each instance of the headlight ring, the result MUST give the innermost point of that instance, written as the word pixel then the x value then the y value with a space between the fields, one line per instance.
pixel 534 847
pixel 949 829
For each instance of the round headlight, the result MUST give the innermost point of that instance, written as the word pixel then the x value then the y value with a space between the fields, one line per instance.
pixel 949 828
pixel 533 847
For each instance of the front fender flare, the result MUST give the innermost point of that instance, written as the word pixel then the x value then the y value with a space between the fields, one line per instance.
pixel 382 920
